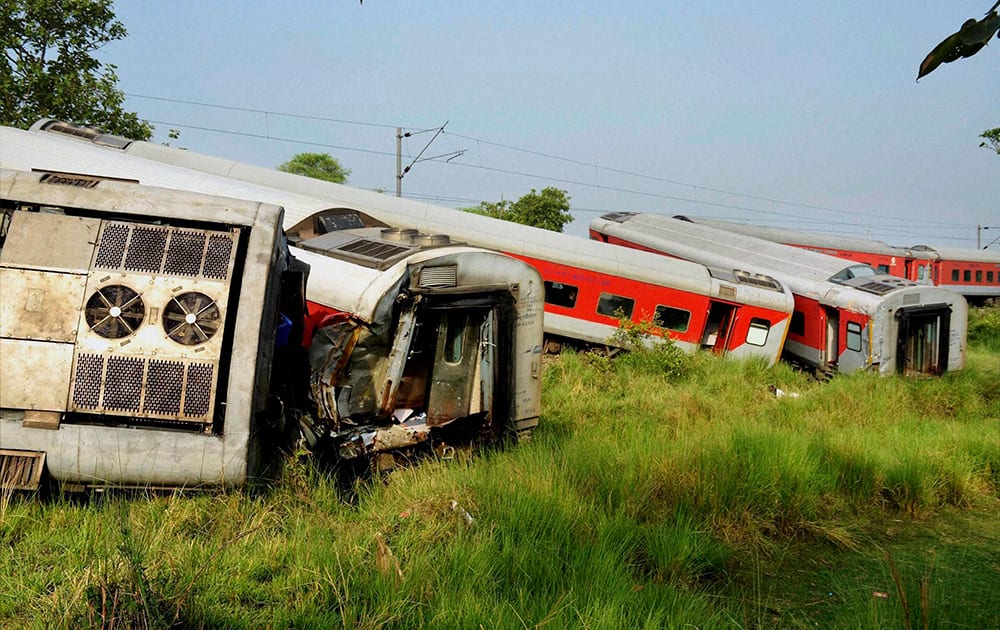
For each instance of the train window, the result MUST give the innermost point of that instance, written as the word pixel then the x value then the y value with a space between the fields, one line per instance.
pixel 454 336
pixel 757 334
pixel 853 336
pixel 672 318
pixel 989 276
pixel 921 272
pixel 560 294
pixel 615 305
pixel 798 324
pixel 883 268
pixel 954 275
pixel 979 276
pixel 967 275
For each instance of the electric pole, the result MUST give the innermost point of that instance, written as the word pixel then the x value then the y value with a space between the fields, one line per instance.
pixel 400 171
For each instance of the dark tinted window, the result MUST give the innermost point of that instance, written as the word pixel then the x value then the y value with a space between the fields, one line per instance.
pixel 954 275
pixel 883 268
pixel 560 294
pixel 979 276
pixel 615 305
pixel 798 324
pixel 989 276
pixel 672 318
pixel 967 275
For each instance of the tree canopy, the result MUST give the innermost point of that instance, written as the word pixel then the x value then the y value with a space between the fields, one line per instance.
pixel 965 42
pixel 49 71
pixel 548 209
pixel 317 165
pixel 991 139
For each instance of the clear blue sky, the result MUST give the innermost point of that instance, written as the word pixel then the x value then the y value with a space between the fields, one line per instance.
pixel 786 113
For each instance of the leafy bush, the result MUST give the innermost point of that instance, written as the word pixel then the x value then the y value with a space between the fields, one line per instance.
pixel 650 348
pixel 984 327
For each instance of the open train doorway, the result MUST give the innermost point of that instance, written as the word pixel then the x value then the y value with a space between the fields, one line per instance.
pixel 457 360
pixel 832 336
pixel 921 344
pixel 721 316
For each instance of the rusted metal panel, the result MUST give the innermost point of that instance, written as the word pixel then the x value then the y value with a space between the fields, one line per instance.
pixel 69 242
pixel 40 305
pixel 36 374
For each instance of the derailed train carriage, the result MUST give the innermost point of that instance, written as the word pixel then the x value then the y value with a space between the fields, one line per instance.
pixel 157 338
pixel 588 285
pixel 417 341
pixel 975 273
pixel 846 317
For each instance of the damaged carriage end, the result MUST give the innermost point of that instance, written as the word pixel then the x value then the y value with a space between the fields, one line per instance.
pixel 427 347
pixel 137 333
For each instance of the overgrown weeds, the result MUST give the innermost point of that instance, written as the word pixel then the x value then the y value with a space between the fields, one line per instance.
pixel 656 492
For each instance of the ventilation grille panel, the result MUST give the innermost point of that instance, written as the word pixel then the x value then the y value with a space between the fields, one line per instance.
pixel 165 389
pixel 373 249
pixel 878 288
pixel 165 250
pixel 439 277
pixel 21 470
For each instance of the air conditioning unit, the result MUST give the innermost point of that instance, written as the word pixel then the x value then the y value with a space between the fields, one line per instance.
pixel 131 315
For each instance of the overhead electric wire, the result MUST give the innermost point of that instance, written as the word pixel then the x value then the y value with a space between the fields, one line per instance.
pixel 926 225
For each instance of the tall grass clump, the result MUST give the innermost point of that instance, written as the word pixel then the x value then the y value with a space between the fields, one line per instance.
pixel 984 328
pixel 659 490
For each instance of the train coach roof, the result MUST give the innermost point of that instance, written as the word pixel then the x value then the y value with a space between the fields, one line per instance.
pixel 958 254
pixel 805 272
pixel 800 237
pixel 185 170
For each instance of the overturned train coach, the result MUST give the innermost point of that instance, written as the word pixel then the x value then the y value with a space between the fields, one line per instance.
pixel 137 328
pixel 846 317
pixel 160 338
pixel 588 286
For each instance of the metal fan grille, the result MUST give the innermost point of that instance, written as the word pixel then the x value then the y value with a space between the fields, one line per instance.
pixel 191 318
pixel 114 311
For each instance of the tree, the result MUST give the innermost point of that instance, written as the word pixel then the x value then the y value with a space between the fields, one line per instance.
pixel 548 209
pixel 966 42
pixel 991 139
pixel 48 69
pixel 317 165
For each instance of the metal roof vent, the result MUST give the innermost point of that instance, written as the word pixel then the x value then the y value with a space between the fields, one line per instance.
pixel 93 134
pixel 372 249
pixel 757 279
pixel 878 288
pixel 618 217
pixel 402 235
pixel 431 240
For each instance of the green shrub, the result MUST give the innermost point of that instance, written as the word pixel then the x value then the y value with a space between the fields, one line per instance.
pixel 650 348
pixel 984 327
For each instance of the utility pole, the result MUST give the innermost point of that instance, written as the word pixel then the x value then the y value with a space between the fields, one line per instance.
pixel 400 171
pixel 399 161
pixel 979 231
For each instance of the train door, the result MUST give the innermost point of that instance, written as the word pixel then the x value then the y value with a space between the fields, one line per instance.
pixel 922 341
pixel 832 347
pixel 454 362
pixel 718 327
pixel 456 387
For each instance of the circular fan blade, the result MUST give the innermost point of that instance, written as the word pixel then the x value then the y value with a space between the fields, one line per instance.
pixel 114 311
pixel 191 318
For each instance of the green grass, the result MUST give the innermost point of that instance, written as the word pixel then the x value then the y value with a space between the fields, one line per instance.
pixel 657 492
